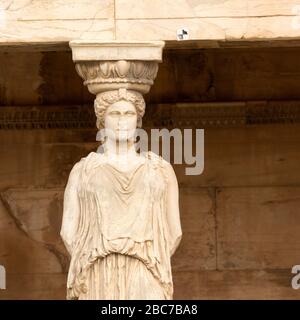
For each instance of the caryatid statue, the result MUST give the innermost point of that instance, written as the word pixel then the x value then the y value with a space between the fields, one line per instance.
pixel 121 221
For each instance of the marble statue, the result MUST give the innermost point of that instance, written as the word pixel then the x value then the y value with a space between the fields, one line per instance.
pixel 121 221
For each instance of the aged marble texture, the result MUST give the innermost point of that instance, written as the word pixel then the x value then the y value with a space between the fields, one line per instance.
pixel 251 171
pixel 121 228
pixel 121 221
pixel 44 22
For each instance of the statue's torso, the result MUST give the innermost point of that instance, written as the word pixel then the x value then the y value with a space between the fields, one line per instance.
pixel 122 200
pixel 125 213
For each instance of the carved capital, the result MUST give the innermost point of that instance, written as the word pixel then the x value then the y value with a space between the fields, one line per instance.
pixel 113 65
pixel 102 76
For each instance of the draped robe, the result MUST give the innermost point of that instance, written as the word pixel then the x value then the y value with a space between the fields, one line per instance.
pixel 120 229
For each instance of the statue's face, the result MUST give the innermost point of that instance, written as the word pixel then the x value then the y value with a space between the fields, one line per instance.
pixel 121 120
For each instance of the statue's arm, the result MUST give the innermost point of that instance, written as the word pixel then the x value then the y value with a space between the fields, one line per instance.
pixel 173 214
pixel 71 208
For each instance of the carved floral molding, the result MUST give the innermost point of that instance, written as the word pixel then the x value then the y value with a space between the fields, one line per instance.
pixel 106 75
pixel 180 115
pixel 111 65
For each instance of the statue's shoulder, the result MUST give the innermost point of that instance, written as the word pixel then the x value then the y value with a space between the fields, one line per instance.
pixel 85 163
pixel 159 162
pixel 82 168
pixel 156 158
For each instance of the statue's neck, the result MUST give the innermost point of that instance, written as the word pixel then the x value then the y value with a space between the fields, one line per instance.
pixel 120 150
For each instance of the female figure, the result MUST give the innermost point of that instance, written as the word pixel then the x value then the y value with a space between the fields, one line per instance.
pixel 121 220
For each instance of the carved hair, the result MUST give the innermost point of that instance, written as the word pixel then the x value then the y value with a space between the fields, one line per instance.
pixel 107 98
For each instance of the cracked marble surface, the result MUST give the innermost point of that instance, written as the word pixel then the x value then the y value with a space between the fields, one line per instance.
pixel 27 21
pixel 34 218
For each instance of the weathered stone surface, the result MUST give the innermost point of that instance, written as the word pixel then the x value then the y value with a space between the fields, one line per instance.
pixel 40 164
pixel 248 156
pixel 226 75
pixel 238 284
pixel 31 78
pixel 254 168
pixel 57 31
pixel 147 9
pixel 19 78
pixel 30 224
pixel 256 73
pixel 65 10
pixel 147 20
pixel 186 285
pixel 59 21
pixel 214 29
pixel 198 247
pixel 258 228
pixel 35 78
pixel 35 286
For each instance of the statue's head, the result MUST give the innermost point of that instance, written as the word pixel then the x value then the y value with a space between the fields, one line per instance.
pixel 120 111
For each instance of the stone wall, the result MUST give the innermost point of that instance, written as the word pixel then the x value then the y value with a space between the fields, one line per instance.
pixel 240 218
pixel 45 22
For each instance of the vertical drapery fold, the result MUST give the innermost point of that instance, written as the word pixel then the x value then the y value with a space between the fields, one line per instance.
pixel 120 247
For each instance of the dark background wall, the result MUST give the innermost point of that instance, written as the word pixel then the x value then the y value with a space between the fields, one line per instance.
pixel 240 218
